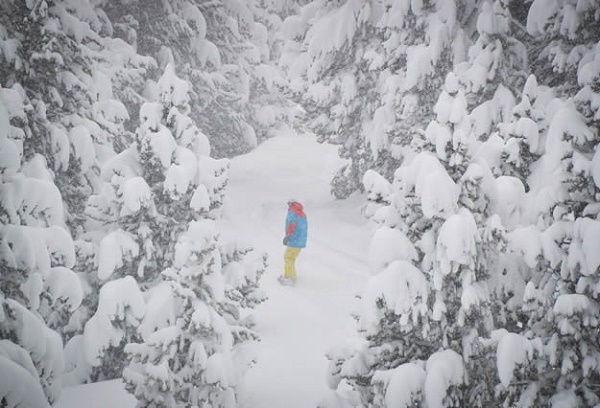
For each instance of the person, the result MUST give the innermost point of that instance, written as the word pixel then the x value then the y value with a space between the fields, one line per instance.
pixel 296 229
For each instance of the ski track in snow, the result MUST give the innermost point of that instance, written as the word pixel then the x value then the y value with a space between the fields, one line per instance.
pixel 297 324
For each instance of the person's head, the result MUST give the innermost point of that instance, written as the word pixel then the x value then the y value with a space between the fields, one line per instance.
pixel 291 201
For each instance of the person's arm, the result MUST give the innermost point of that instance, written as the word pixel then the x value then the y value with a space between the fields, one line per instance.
pixel 290 226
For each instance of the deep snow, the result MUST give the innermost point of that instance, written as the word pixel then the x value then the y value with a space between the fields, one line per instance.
pixel 297 324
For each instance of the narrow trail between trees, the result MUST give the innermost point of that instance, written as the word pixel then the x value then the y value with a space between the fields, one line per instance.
pixel 297 325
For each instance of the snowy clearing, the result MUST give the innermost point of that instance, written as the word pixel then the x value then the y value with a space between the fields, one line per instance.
pixel 298 324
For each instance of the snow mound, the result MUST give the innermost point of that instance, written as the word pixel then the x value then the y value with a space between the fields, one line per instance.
pixel 444 369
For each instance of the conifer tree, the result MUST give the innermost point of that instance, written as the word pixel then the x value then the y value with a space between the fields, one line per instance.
pixel 65 67
pixel 557 339
pixel 150 192
pixel 73 112
pixel 323 56
pixel 522 136
pixel 221 51
pixel 190 361
pixel 242 269
pixel 59 124
pixel 63 74
pixel 189 352
pixel 563 33
pixel 497 58
pixel 36 257
pixel 431 303
pixel 447 210
pixel 370 74
pixel 559 296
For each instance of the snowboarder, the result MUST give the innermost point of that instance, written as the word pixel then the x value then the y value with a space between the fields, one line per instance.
pixel 296 228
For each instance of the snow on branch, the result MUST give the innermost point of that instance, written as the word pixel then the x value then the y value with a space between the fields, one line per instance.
pixel 444 369
pixel 572 304
pixel 19 386
pixel 63 283
pixel 116 248
pixel 120 300
pixel 173 91
pixel 431 183
pixel 403 288
pixel 512 351
pixel 32 201
pixel 136 195
pixel 36 249
pixel 403 385
pixel 456 245
pixel 331 32
pixel 388 245
pixel 42 345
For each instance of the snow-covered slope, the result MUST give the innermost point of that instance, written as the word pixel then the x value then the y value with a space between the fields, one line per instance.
pixel 97 395
pixel 297 324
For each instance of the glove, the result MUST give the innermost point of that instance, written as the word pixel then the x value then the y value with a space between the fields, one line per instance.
pixel 285 240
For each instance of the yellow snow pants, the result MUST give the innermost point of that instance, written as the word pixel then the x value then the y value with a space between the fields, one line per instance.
pixel 290 262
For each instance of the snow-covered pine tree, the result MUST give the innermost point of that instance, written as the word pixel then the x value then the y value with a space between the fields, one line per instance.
pixel 492 75
pixel 497 58
pixel 271 14
pixel 188 360
pixel 221 50
pixel 65 67
pixel 323 58
pixel 36 254
pixel 242 269
pixel 177 33
pixel 223 90
pixel 150 192
pixel 452 214
pixel 193 324
pixel 561 301
pixel 421 44
pixel 120 74
pixel 496 69
pixel 520 140
pixel 512 151
pixel 563 32
pixel 429 305
pixel 73 117
pixel 192 354
pixel 368 74
pixel 270 110
pixel 70 123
